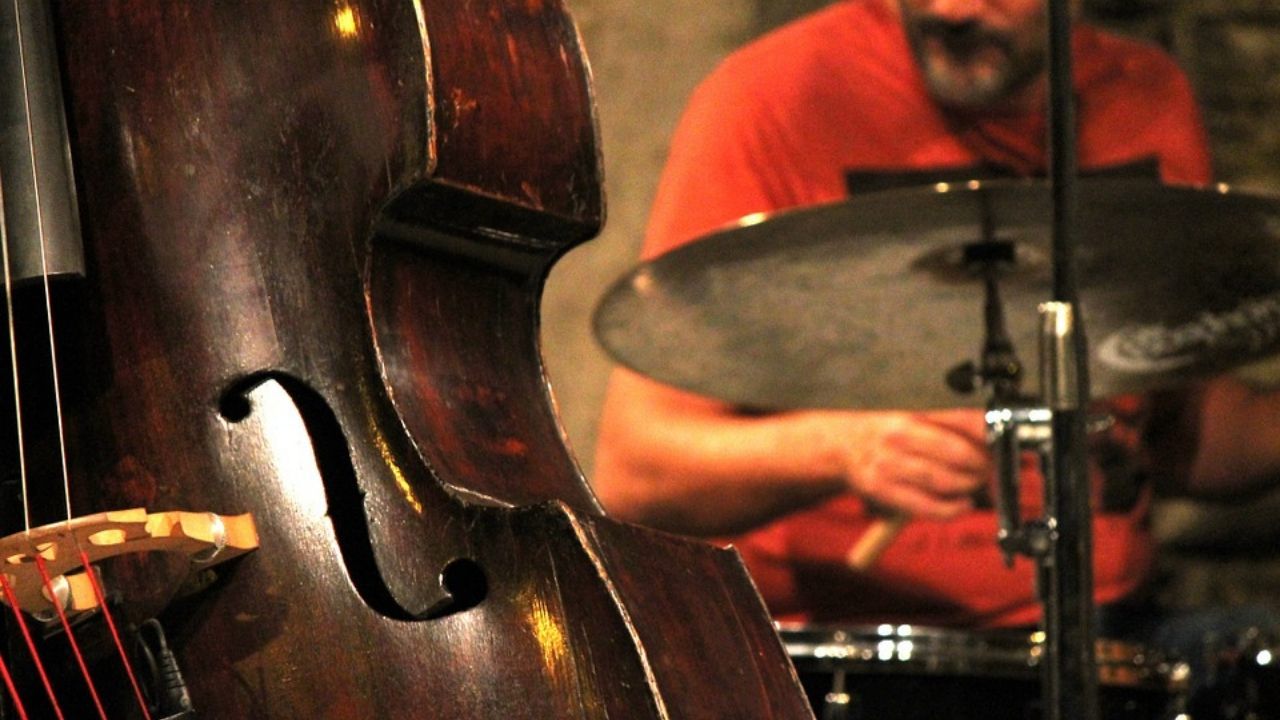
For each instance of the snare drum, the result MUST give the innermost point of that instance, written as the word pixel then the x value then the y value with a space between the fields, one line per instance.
pixel 915 673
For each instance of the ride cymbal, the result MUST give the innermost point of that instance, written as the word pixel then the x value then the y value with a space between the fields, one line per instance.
pixel 871 301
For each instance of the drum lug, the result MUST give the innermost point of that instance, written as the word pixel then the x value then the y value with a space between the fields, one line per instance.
pixel 836 703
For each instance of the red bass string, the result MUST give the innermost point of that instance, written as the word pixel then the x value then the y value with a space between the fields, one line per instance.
pixel 115 634
pixel 31 644
pixel 13 690
pixel 71 638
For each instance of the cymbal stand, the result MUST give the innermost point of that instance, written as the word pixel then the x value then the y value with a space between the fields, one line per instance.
pixel 1061 541
pixel 1062 558
pixel 1056 541
pixel 1070 676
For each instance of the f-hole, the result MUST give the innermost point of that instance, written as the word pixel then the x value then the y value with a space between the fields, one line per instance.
pixel 463 579
pixel 466 583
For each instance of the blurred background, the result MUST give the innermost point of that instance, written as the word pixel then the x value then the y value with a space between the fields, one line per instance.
pixel 648 56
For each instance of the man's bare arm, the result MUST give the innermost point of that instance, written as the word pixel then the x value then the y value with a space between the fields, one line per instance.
pixel 688 464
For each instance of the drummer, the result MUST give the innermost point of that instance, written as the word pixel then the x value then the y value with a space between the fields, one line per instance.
pixel 826 106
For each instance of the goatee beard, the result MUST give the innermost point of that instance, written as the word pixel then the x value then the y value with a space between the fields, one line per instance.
pixel 942 49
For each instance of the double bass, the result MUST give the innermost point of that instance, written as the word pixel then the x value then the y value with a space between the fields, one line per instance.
pixel 298 334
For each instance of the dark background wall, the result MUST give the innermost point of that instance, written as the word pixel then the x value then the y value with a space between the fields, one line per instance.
pixel 648 55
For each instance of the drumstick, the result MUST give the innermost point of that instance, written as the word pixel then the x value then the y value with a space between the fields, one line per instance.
pixel 875 541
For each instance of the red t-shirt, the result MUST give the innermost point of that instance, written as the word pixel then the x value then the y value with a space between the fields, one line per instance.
pixel 780 124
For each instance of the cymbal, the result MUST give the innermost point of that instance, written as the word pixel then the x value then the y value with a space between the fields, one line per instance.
pixel 869 302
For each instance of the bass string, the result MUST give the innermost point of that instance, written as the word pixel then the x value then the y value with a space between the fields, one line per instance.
pixel 13 359
pixel 58 411
pixel 22 467
pixel 13 690
pixel 21 621
pixel 101 597
pixel 71 638
pixel 8 295
pixel 44 275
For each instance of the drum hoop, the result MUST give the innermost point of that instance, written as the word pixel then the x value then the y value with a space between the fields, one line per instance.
pixel 1003 654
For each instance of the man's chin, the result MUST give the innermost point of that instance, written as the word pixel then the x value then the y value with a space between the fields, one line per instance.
pixel 988 78
pixel 966 89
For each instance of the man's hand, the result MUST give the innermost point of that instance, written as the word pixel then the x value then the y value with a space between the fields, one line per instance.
pixel 688 464
pixel 926 464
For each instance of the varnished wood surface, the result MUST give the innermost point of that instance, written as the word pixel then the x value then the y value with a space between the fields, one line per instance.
pixel 315 237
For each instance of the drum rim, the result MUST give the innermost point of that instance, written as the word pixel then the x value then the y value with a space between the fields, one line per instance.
pixel 999 653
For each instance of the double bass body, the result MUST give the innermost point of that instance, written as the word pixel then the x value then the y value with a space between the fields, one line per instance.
pixel 315 236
